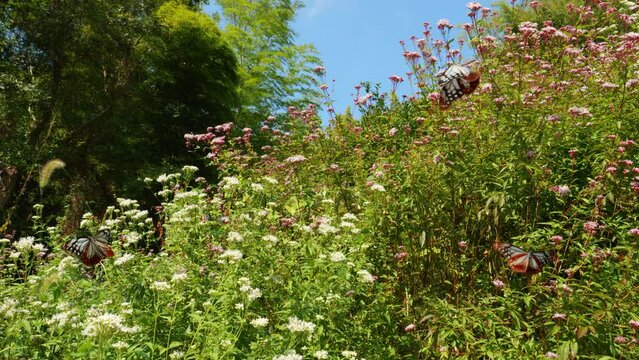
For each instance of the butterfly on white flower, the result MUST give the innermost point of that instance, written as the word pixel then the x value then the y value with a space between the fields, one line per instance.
pixel 91 249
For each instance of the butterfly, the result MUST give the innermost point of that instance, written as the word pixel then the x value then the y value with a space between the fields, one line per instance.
pixel 92 249
pixel 457 81
pixel 522 261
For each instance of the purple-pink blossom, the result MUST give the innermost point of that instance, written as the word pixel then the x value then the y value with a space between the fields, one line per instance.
pixel 559 316
pixel 295 159
pixel 579 111
pixel 443 24
pixel 556 239
pixel 473 6
pixel 562 190
pixel 591 227
pixel 410 328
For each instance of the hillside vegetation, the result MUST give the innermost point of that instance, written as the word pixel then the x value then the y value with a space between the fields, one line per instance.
pixel 372 238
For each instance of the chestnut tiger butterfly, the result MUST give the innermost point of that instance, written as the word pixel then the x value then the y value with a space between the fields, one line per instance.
pixel 91 249
pixel 522 261
pixel 458 80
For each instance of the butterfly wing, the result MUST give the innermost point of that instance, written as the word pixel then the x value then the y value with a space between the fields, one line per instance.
pixel 76 246
pixel 453 82
pixel 520 260
pixel 91 250
pixel 95 252
pixel 103 236
pixel 538 260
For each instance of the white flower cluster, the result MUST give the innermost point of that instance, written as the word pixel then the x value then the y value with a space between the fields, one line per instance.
pixel 349 217
pixel 120 345
pixel 337 256
pixel 259 322
pixel 189 168
pixel 292 355
pixel 179 275
pixel 232 256
pixel 297 325
pixel 26 245
pixel 270 238
pixel 349 354
pixel 136 215
pixel 193 195
pixel 251 292
pixel 62 318
pixel 185 214
pixel 378 187
pixel 234 236
pixel 125 258
pixel 320 354
pixel 164 178
pixel 365 277
pixel 132 237
pixel 229 182
pixel 9 308
pixel 127 203
pixel 176 355
pixel 160 286
pixel 325 228
pixel 106 324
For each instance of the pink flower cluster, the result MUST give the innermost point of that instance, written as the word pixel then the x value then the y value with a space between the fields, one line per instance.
pixel 591 227
pixel 214 138
pixel 562 190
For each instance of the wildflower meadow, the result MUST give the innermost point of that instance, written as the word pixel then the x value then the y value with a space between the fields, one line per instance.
pixel 372 236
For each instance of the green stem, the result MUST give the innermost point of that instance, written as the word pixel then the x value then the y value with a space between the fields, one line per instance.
pixel 168 339
pixel 155 323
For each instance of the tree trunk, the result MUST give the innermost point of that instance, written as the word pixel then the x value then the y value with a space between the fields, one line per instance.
pixel 8 181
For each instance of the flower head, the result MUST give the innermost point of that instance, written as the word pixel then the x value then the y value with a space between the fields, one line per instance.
pixel 621 340
pixel 559 316
pixel 591 227
pixel 366 277
pixel 337 256
pixel 444 24
pixel 259 322
pixel 297 325
pixel 295 159
pixel 473 6
pixel 320 354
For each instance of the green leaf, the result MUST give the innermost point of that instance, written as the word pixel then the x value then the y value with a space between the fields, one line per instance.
pixel 292 205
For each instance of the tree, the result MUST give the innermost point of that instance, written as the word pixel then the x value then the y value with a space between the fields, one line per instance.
pixel 275 72
pixel 107 86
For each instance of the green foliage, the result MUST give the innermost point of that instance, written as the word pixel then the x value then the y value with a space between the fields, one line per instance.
pixel 372 238
pixel 108 87
pixel 275 72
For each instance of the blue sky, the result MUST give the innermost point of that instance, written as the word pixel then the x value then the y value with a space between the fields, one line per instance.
pixel 358 40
